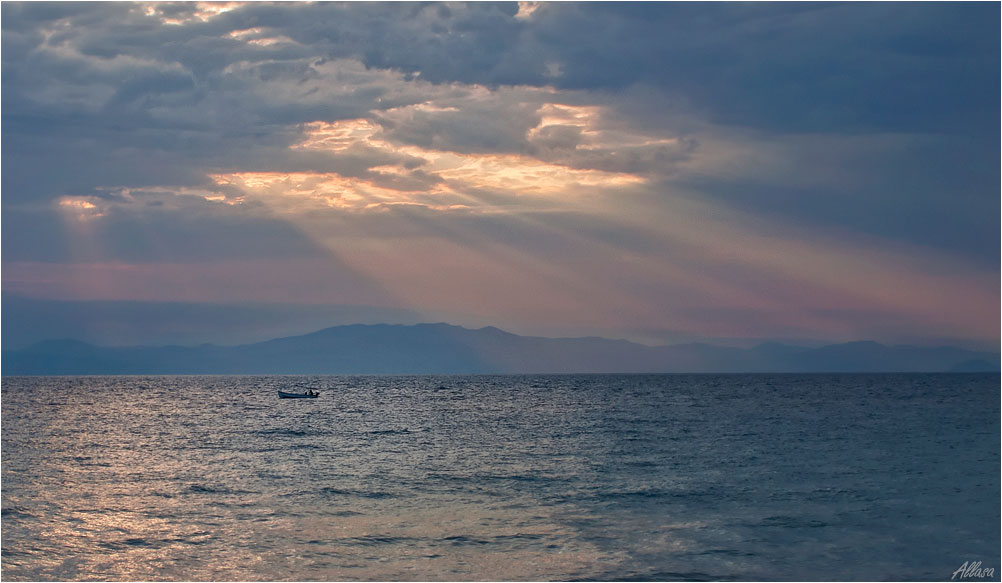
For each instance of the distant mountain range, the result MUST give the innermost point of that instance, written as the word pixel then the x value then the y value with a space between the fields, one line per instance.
pixel 446 349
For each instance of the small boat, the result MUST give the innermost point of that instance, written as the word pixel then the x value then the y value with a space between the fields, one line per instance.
pixel 307 395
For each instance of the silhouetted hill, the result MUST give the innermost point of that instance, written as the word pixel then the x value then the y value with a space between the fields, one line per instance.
pixel 446 349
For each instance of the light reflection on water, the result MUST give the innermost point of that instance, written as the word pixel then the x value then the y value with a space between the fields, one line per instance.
pixel 498 478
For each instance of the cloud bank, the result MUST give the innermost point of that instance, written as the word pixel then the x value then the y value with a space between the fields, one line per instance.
pixel 656 171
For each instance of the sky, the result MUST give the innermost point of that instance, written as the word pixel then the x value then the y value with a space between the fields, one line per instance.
pixel 661 172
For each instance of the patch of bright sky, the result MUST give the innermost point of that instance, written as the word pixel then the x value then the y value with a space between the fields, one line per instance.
pixel 516 174
pixel 203 12
pixel 525 10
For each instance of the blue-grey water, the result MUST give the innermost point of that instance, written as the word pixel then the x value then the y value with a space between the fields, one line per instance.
pixel 607 477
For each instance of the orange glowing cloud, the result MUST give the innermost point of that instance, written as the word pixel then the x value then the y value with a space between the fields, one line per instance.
pixel 445 174
pixel 204 12
pixel 338 136
pixel 79 207
pixel 325 189
pixel 521 174
pixel 258 37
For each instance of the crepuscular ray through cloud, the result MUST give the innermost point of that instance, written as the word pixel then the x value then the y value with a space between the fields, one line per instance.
pixel 469 159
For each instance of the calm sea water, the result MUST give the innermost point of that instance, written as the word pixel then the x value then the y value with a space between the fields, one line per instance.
pixel 654 477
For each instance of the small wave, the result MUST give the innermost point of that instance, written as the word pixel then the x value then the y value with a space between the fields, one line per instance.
pixel 644 493
pixel 527 478
pixel 460 540
pixel 726 552
pixel 127 543
pixel 836 493
pixel 643 464
pixel 374 540
pixel 203 489
pixel 198 538
pixel 338 492
pixel 677 576
pixel 450 477
pixel 15 512
pixel 282 432
pixel 792 522
pixel 6 551
pixel 86 460
pixel 518 537
pixel 195 538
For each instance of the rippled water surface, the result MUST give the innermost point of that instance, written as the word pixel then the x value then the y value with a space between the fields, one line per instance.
pixel 663 477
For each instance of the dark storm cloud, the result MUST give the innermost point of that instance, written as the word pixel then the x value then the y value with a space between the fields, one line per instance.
pixel 802 67
pixel 786 66
pixel 109 96
pixel 113 96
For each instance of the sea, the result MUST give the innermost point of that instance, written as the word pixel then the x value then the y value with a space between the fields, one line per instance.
pixel 811 477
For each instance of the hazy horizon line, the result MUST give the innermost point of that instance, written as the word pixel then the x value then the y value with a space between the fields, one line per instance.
pixel 717 343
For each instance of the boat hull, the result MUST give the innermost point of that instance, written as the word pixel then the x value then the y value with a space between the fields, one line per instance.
pixel 284 395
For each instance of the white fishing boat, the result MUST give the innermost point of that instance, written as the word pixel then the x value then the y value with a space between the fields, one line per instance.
pixel 306 395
